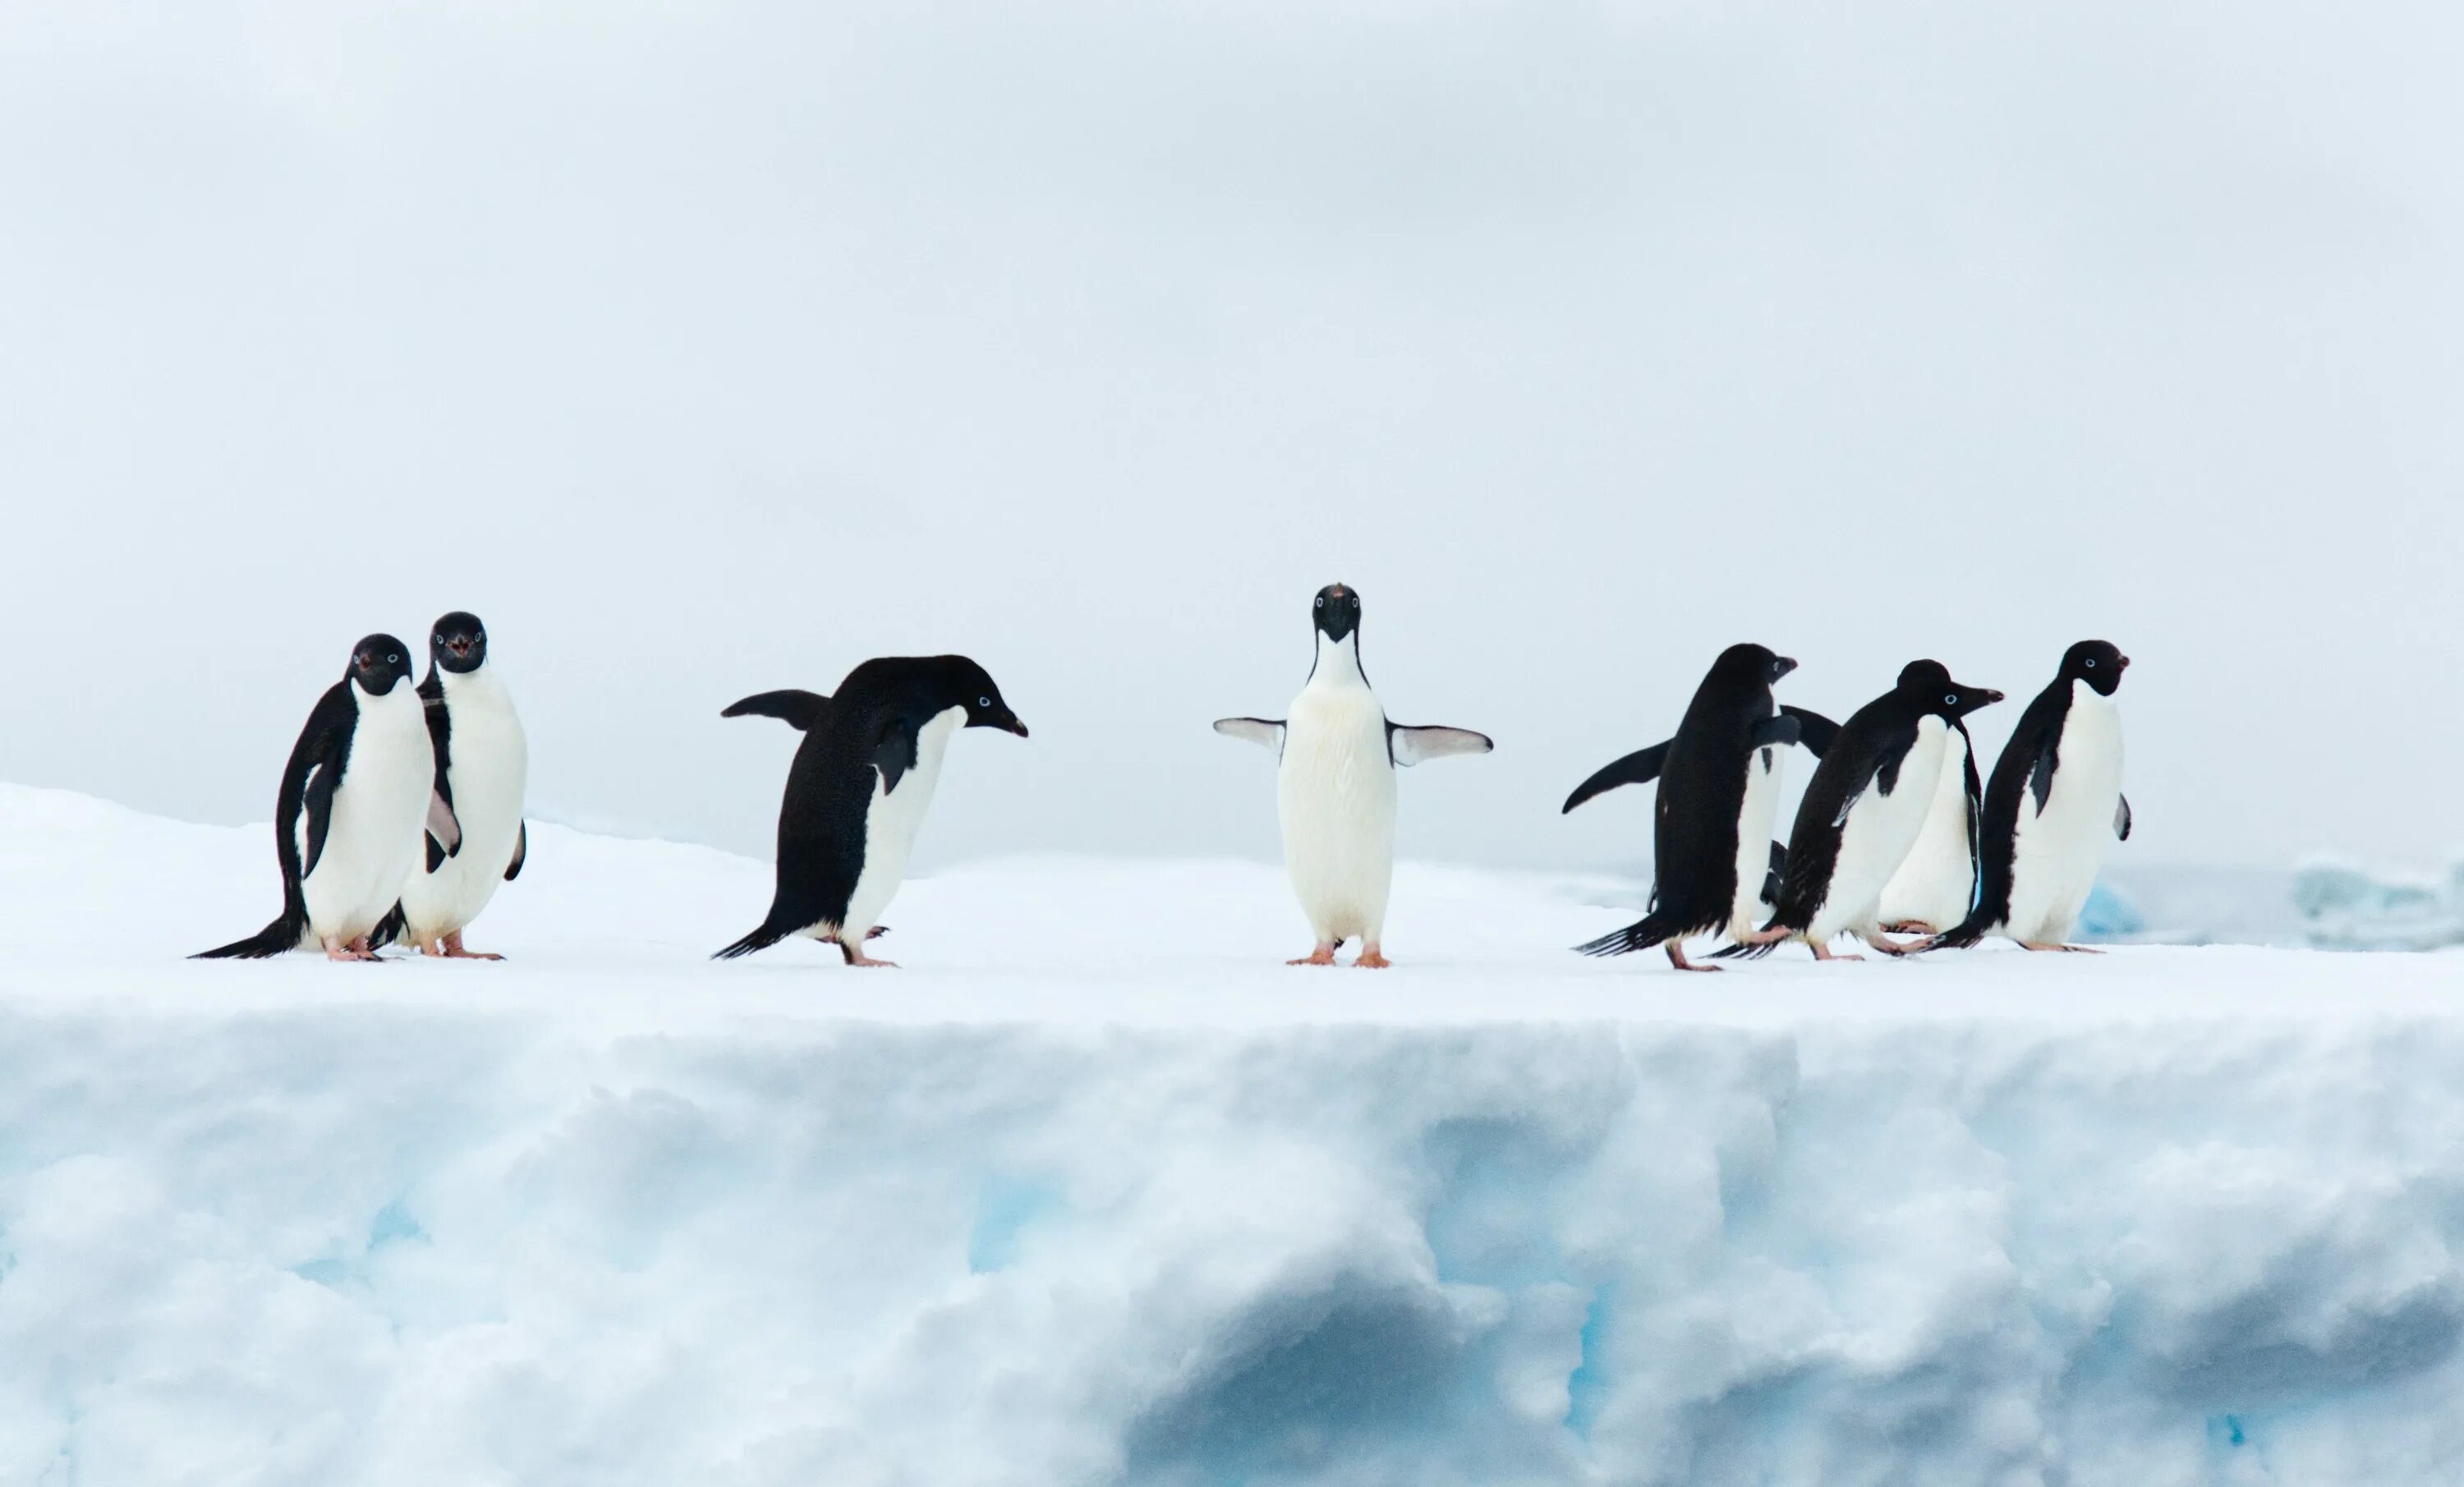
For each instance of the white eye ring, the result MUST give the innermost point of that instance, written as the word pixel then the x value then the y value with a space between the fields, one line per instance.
pixel 984 702
pixel 1951 699
pixel 2091 661
pixel 393 661
pixel 1321 602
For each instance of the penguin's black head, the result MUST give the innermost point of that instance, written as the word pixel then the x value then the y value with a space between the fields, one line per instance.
pixel 1927 688
pixel 1338 611
pixel 377 663
pixel 459 641
pixel 981 697
pixel 1753 662
pixel 2096 663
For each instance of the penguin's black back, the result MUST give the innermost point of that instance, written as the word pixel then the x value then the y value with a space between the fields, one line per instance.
pixel 1702 791
pixel 1873 742
pixel 2006 793
pixel 325 740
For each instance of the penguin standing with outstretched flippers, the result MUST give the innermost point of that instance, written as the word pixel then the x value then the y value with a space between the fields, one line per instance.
pixel 1334 789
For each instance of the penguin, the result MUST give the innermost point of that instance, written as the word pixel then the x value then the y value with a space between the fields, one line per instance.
pixel 360 786
pixel 482 766
pixel 1863 812
pixel 1712 855
pixel 1336 754
pixel 858 790
pixel 1936 886
pixel 2051 807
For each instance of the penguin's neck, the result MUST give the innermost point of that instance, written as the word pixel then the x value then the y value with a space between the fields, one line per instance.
pixel 478 684
pixel 1338 663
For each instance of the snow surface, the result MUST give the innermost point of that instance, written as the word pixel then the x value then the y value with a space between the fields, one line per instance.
pixel 1098 1192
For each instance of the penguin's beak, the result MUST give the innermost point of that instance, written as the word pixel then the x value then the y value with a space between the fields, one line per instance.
pixel 1781 665
pixel 1015 726
pixel 2125 662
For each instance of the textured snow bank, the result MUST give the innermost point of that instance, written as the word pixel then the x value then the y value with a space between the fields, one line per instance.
pixel 1091 1195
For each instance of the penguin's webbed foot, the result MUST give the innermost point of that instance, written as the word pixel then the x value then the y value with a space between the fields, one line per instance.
pixel 1888 947
pixel 1822 952
pixel 1323 955
pixel 1371 958
pixel 1677 957
pixel 2042 947
pixel 453 950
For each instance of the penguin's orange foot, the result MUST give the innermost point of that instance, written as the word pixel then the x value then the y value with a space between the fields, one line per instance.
pixel 1677 957
pixel 1822 952
pixel 1323 955
pixel 356 950
pixel 2042 947
pixel 454 949
pixel 860 958
pixel 1372 959
pixel 1888 947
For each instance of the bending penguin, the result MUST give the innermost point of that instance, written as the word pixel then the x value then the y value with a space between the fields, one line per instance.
pixel 1334 785
pixel 357 792
pixel 2054 803
pixel 1936 886
pixel 1863 812
pixel 482 767
pixel 1713 859
pixel 858 790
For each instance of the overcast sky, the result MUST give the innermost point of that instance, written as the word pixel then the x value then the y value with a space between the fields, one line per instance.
pixel 703 349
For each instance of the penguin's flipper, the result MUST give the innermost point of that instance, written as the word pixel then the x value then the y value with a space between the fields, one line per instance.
pixel 1267 732
pixel 316 807
pixel 894 751
pixel 2040 780
pixel 1813 731
pixel 1975 809
pixel 2122 818
pixel 444 832
pixel 1408 746
pixel 1640 767
pixel 798 710
pixel 1772 731
pixel 521 849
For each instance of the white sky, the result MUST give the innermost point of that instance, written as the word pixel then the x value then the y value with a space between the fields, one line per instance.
pixel 707 349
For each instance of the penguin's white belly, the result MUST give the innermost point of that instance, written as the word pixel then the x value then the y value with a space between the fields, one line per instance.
pixel 1937 884
pixel 889 826
pixel 490 772
pixel 1335 796
pixel 1754 821
pixel 2056 854
pixel 374 837
pixel 1876 838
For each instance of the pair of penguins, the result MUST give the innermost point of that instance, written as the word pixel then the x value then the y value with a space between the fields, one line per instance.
pixel 1893 831
pixel 383 772
pixel 873 752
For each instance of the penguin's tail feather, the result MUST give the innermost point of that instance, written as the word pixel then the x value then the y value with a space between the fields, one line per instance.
pixel 278 938
pixel 1966 935
pixel 391 927
pixel 1651 929
pixel 1743 951
pixel 762 938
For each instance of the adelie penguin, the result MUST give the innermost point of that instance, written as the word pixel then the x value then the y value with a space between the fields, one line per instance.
pixel 1863 812
pixel 357 800
pixel 482 767
pixel 1336 757
pixel 1712 855
pixel 1936 886
pixel 858 789
pixel 2053 805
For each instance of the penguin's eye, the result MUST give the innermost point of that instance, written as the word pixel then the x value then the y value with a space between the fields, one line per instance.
pixel 1951 699
pixel 393 661
pixel 2091 661
pixel 1321 602
pixel 984 702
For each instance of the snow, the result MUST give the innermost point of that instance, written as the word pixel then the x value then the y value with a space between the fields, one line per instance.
pixel 1097 1191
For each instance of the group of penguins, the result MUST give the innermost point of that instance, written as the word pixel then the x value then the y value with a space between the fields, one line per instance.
pixel 401 808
